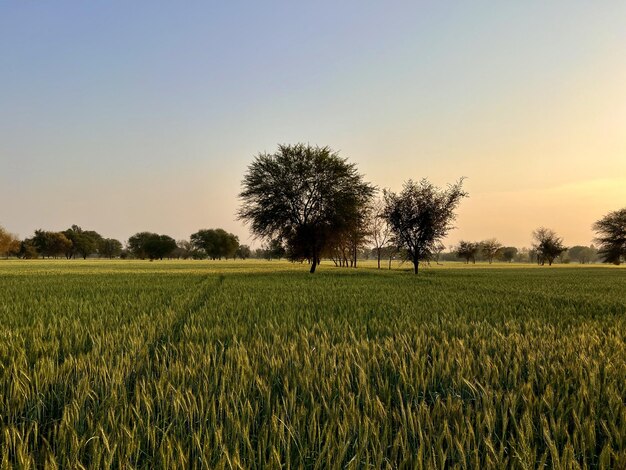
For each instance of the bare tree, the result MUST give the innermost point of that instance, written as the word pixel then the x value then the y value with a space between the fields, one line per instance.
pixel 421 215
pixel 379 229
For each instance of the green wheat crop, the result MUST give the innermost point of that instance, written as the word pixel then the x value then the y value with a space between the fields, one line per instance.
pixel 260 365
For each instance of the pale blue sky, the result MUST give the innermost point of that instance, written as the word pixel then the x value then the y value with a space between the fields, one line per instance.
pixel 130 116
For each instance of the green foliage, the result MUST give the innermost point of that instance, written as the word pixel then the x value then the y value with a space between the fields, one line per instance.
pixel 306 197
pixel 109 248
pixel 258 365
pixel 611 230
pixel 50 244
pixel 243 252
pixel 84 242
pixel 582 254
pixel 490 248
pixel 216 243
pixel 151 245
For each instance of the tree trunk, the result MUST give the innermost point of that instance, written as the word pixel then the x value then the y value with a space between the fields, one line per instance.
pixel 313 264
pixel 416 265
pixel 378 253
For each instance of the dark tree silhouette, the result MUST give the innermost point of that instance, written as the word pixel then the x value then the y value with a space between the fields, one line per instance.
pixel 467 251
pixel 489 248
pixel 84 242
pixel 243 252
pixel 216 243
pixel 303 196
pixel 109 248
pixel 611 230
pixel 582 254
pixel 548 245
pixel 421 215
pixel 151 245
pixel 507 253
pixel 50 244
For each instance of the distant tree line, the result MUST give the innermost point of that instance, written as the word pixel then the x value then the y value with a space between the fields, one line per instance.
pixel 78 243
pixel 307 204
pixel 471 252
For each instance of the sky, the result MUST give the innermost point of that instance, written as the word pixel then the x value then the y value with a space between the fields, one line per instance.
pixel 129 116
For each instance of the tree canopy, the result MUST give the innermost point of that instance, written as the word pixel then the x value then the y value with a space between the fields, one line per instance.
pixel 84 242
pixel 611 230
pixel 9 243
pixel 549 246
pixel 490 248
pixel 305 197
pixel 151 245
pixel 215 243
pixel 109 248
pixel 467 250
pixel 582 254
pixel 50 244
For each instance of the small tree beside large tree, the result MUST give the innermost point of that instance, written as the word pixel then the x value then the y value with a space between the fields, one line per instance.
pixel 421 215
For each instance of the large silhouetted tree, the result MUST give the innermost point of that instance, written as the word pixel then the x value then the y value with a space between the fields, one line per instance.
pixel 421 215
pixel 303 196
pixel 611 230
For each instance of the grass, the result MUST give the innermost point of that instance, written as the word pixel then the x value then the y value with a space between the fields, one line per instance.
pixel 128 364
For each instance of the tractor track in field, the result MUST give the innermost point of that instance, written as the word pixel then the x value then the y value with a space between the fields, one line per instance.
pixel 206 288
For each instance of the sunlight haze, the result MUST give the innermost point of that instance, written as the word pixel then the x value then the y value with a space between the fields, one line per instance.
pixel 130 116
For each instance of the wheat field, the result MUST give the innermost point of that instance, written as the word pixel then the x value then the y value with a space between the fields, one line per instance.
pixel 132 364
